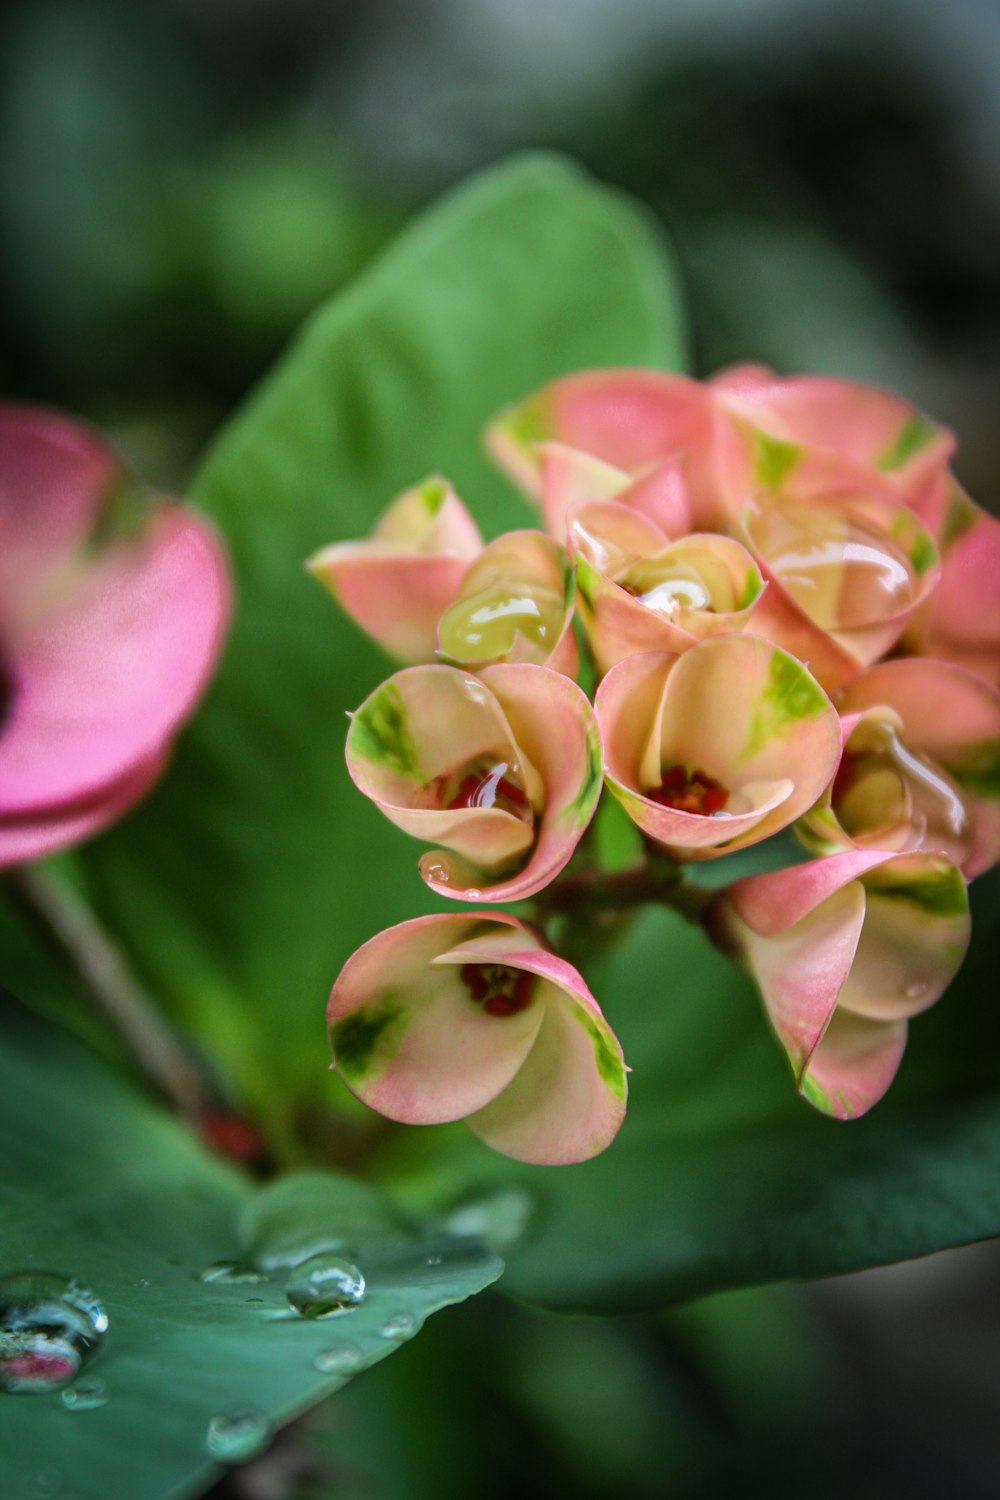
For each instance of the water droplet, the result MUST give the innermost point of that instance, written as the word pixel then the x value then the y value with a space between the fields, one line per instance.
pixel 339 1359
pixel 235 1437
pixel 142 1284
pixel 50 1326
pixel 432 1260
pixel 400 1326
pixel 919 990
pixel 325 1287
pixel 232 1273
pixel 85 1395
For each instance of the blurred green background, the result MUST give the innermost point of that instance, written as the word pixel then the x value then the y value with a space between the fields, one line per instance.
pixel 180 183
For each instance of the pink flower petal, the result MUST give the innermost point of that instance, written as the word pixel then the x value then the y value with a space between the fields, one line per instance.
pixel 106 673
pixel 960 621
pixel 630 419
pixel 23 839
pixel 56 478
pixel 397 584
pixel 845 950
pixel 408 1038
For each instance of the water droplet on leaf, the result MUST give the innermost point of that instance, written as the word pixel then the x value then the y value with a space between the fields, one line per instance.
pixel 50 1326
pixel 324 1287
pixel 85 1395
pixel 339 1359
pixel 236 1437
pixel 232 1273
pixel 399 1327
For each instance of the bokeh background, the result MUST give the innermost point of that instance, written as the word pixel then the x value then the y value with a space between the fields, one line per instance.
pixel 182 182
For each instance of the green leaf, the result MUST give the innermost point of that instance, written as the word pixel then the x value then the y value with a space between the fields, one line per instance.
pixel 244 883
pixel 721 1177
pixel 101 1187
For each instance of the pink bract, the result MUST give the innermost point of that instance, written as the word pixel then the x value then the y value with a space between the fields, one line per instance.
pixel 397 582
pixel 503 770
pixel 845 951
pixel 112 610
pixel 960 622
pixel 630 419
pixel 459 1017
pixel 717 748
pixel 921 765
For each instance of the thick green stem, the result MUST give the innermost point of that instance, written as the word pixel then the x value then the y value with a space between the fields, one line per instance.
pixel 114 989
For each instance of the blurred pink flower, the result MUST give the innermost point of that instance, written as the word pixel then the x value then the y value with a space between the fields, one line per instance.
pixel 112 610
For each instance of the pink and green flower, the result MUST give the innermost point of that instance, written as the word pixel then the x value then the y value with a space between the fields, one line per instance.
pixel 717 748
pixel 458 1017
pixel 845 951
pixel 501 770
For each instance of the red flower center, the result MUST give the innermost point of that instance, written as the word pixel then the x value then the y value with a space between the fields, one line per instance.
pixel 480 783
pixel 499 989
pixel 689 791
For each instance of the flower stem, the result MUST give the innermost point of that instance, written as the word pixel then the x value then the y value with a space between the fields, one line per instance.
pixel 114 988
pixel 592 892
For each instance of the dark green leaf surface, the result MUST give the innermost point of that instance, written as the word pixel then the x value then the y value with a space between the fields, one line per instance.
pixel 99 1186
pixel 250 876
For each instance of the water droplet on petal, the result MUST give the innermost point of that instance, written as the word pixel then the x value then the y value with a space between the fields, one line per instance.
pixel 85 1395
pixel 50 1326
pixel 324 1287
pixel 235 1437
pixel 399 1327
pixel 339 1359
pixel 232 1273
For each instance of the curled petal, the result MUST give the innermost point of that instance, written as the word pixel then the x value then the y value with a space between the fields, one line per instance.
pixel 845 573
pixel 555 727
pixel 949 720
pixel 515 603
pixel 415 743
pixel 664 599
pixel 717 748
pixel 446 1017
pixel 503 770
pixel 845 950
pixel 570 478
pixel 396 584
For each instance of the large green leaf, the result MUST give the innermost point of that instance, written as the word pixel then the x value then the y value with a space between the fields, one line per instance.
pixel 101 1187
pixel 245 882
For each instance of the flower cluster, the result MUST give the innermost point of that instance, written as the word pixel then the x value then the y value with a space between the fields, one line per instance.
pixel 784 598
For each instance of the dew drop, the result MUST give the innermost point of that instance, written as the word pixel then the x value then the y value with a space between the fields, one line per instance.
pixel 399 1327
pixel 236 1437
pixel 339 1359
pixel 232 1273
pixel 325 1287
pixel 50 1326
pixel 85 1395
